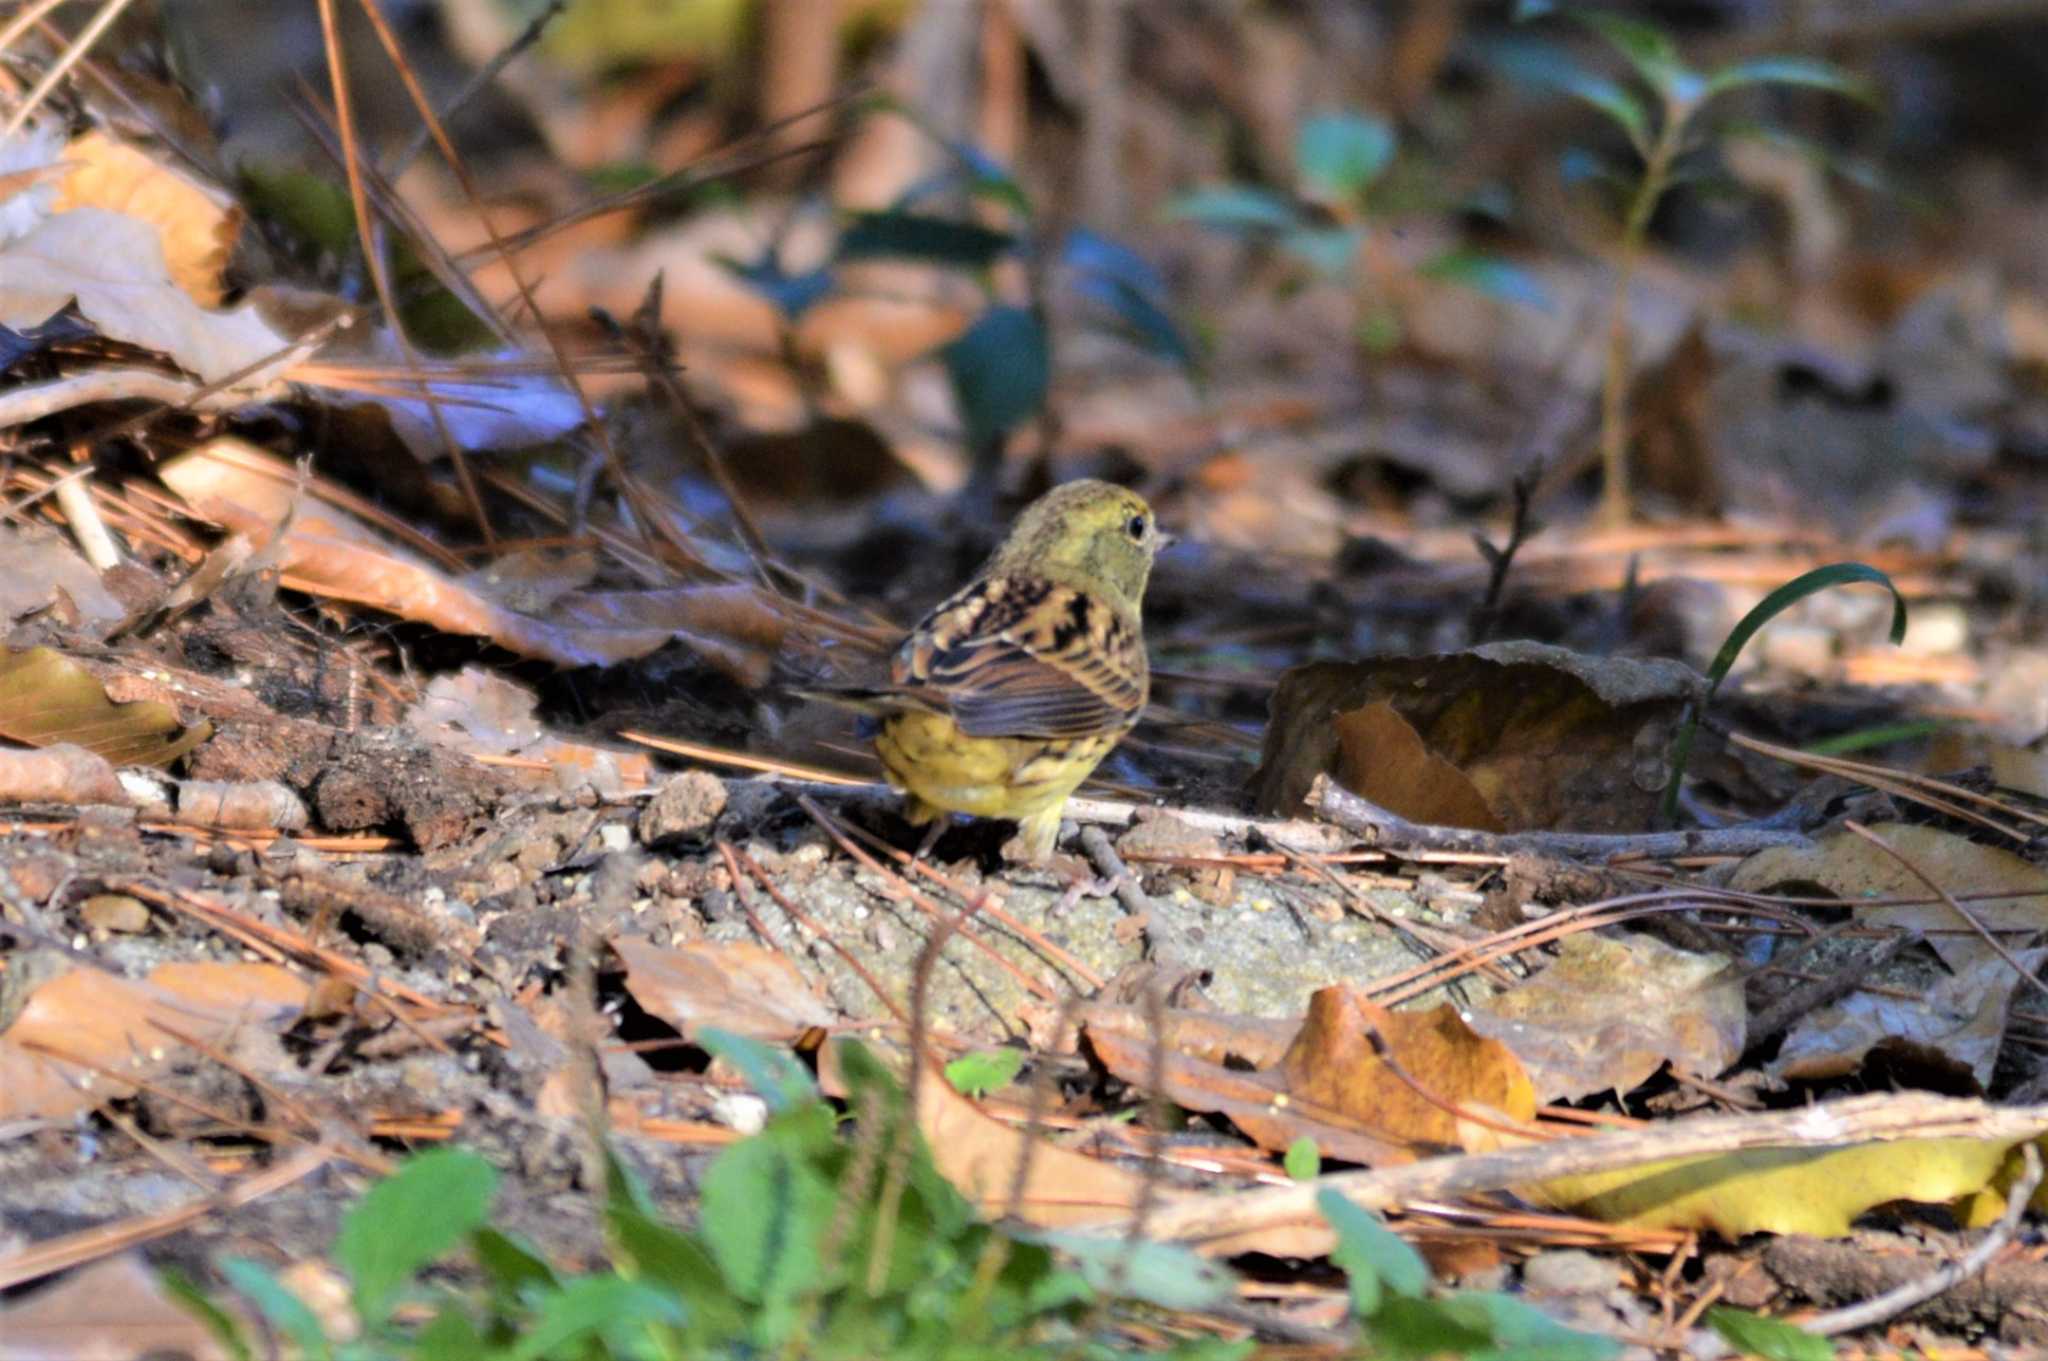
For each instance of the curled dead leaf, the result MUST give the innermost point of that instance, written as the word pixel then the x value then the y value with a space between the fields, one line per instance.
pixel 195 224
pixel 1335 1063
pixel 1545 737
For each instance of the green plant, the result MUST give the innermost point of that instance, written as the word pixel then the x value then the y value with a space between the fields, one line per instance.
pixel 1767 609
pixel 1770 1338
pixel 1663 120
pixel 1328 220
pixel 814 1246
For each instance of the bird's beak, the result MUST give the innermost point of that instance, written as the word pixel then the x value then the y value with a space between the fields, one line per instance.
pixel 1166 540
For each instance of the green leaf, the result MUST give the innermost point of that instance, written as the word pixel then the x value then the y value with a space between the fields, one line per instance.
pixel 1882 735
pixel 1303 1160
pixel 1234 207
pixel 1767 609
pixel 1340 155
pixel 1861 173
pixel 1478 1326
pixel 450 1336
pixel 765 1207
pixel 1790 594
pixel 1371 1254
pixel 1521 1330
pixel 1001 369
pixel 679 1264
pixel 1647 48
pixel 1162 1274
pixel 409 1219
pixel 592 1306
pixel 1111 273
pixel 185 1294
pixel 1415 1328
pixel 1546 66
pixel 989 1070
pixel 1771 1338
pixel 775 1074
pixel 512 1267
pixel 1499 279
pixel 283 1310
pixel 1810 72
pixel 919 236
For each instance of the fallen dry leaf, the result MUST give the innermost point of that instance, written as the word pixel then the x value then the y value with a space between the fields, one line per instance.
pixel 1956 1030
pixel 103 1022
pixel 1607 1013
pixel 480 713
pixel 195 225
pixel 41 570
pixel 1333 1064
pixel 1818 1191
pixel 47 699
pixel 113 267
pixel 980 1154
pixel 2001 890
pixel 1546 737
pixel 1381 757
pixel 732 985
pixel 1257 1102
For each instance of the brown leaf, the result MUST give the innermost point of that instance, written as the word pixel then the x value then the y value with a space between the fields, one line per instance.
pixel 1955 1031
pixel 102 1021
pixel 1547 737
pixel 46 699
pixel 1258 1103
pixel 980 1155
pixel 1608 1013
pixel 1333 1064
pixel 1852 869
pixel 732 985
pixel 1380 756
pixel 480 713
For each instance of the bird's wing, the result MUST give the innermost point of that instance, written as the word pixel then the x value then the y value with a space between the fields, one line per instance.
pixel 1017 656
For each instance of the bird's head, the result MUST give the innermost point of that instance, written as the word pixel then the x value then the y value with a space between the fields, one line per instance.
pixel 1094 535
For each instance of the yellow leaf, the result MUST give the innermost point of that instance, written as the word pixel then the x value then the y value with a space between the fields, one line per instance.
pixel 1816 1191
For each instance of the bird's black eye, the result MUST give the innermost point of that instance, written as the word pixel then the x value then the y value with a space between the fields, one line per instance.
pixel 1136 527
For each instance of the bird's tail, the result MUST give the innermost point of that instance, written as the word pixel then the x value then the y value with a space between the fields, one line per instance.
pixel 876 701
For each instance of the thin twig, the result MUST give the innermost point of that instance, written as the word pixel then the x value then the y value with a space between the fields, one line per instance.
pixel 1523 527
pixel 1376 826
pixel 475 85
pixel 1169 947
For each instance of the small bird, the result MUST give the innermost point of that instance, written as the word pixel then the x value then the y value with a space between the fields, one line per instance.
pixel 1005 696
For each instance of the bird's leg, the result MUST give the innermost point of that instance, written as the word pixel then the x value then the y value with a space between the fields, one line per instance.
pixel 1036 837
pixel 932 833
